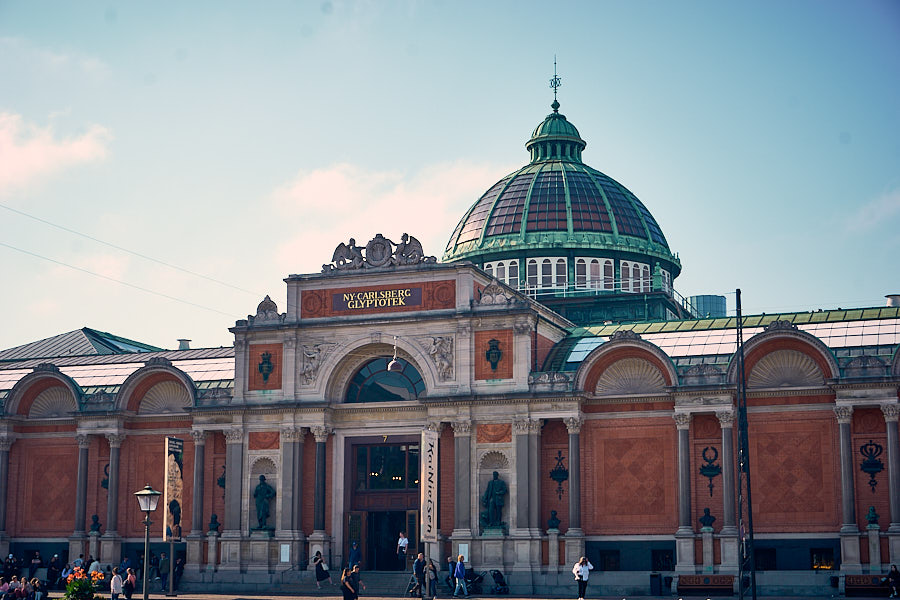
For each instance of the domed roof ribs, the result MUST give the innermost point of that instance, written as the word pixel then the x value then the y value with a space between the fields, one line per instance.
pixel 527 206
pixel 609 210
pixel 569 227
pixel 490 212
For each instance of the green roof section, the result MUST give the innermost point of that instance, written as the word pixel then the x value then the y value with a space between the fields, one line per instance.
pixel 797 318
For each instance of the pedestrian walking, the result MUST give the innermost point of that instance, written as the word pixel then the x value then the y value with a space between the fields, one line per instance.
pixel 582 570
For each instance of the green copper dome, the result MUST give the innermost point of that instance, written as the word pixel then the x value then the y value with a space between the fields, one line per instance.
pixel 557 205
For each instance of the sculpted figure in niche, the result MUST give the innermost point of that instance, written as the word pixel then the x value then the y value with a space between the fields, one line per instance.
pixel 441 352
pixel 263 493
pixel 493 500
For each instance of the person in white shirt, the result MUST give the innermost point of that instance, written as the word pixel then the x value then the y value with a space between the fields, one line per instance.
pixel 115 584
pixel 582 570
pixel 402 543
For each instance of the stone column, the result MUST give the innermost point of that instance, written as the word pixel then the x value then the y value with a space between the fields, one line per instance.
pixel 891 413
pixel 462 507
pixel 729 540
pixel 534 483
pixel 684 537
pixel 520 441
pixel 111 543
pixel 318 540
pixel 288 527
pixel 234 480
pixel 76 541
pixel 850 552
pixel 574 534
pixel 6 443
pixel 194 559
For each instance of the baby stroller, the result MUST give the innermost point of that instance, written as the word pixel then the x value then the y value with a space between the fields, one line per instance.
pixel 499 586
pixel 474 581
pixel 413 588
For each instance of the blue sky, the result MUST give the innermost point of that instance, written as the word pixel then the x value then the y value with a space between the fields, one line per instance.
pixel 244 141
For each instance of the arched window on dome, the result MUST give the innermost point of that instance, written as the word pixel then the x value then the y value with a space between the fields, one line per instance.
pixel 635 278
pixel 609 282
pixel 625 270
pixel 645 278
pixel 594 278
pixel 581 280
pixel 562 276
pixel 489 269
pixel 514 274
pixel 374 383
pixel 546 273
pixel 501 271
pixel 532 274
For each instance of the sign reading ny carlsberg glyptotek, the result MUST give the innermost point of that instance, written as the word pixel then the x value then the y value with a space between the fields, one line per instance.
pixel 363 299
pixel 428 484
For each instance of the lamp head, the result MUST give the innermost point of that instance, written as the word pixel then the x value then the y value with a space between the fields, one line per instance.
pixel 148 498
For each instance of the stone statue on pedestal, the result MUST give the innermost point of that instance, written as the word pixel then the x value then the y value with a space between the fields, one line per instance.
pixel 493 500
pixel 263 493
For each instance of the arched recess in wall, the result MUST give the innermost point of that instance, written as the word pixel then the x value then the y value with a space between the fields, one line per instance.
pixel 157 388
pixel 346 363
pixel 626 366
pixel 784 356
pixel 44 393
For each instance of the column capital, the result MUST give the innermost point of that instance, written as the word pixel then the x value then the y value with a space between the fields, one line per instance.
pixel 726 418
pixel 436 426
pixel 891 412
pixel 682 420
pixel 199 436
pixel 115 439
pixel 320 432
pixel 84 440
pixel 573 424
pixel 240 345
pixel 534 425
pixel 844 414
pixel 234 436
pixel 290 343
pixel 292 434
pixel 461 428
pixel 6 442
pixel 520 425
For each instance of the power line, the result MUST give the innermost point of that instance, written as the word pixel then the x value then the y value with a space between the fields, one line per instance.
pixel 132 252
pixel 113 279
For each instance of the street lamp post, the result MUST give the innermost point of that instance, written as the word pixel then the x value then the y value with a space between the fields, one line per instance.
pixel 147 498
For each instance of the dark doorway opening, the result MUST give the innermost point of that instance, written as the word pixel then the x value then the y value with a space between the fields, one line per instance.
pixel 384 529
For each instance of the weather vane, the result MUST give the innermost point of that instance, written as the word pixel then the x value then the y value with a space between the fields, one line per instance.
pixel 555 82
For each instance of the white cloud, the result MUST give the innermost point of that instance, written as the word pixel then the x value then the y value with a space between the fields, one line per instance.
pixel 875 213
pixel 29 152
pixel 346 201
pixel 38 58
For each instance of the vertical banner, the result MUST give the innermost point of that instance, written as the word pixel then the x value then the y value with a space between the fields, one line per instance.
pixel 174 488
pixel 428 485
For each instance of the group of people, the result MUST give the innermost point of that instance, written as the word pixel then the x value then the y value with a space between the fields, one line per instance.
pixel 22 589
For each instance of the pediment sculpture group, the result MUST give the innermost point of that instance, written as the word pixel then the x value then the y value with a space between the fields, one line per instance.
pixel 379 252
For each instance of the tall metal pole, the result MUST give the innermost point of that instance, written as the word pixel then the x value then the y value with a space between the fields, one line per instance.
pixel 147 524
pixel 171 591
pixel 747 564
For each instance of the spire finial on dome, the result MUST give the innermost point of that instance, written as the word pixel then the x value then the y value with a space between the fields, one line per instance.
pixel 555 82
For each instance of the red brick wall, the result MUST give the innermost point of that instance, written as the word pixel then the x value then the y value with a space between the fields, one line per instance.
pixel 309 482
pixel 868 424
pixel 706 433
pixel 213 495
pixel 255 378
pixel 629 476
pixel 447 480
pixel 542 349
pixel 795 464
pixel 41 492
pixel 554 438
pixel 505 365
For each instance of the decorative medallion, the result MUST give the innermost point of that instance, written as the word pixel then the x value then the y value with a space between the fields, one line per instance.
pixel 871 464
pixel 266 366
pixel 710 469
pixel 559 473
pixel 493 354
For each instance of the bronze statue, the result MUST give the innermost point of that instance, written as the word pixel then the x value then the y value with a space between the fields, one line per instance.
pixel 263 493
pixel 492 500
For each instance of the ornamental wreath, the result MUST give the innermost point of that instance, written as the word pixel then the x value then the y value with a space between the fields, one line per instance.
pixel 80 585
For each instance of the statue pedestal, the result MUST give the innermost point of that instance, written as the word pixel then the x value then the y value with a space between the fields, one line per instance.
pixel 850 554
pixel 706 534
pixel 729 546
pixel 492 532
pixel 684 550
pixel 76 546
pixel 230 558
pixel 194 561
pixel 553 550
pixel 262 550
pixel 492 551
pixel 874 533
pixel 110 548
pixel 574 545
pixel 94 544
pixel 319 541
pixel 212 554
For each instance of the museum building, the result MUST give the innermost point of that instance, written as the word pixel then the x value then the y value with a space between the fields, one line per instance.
pixel 539 394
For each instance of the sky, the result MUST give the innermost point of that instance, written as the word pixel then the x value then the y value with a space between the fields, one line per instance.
pixel 164 165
